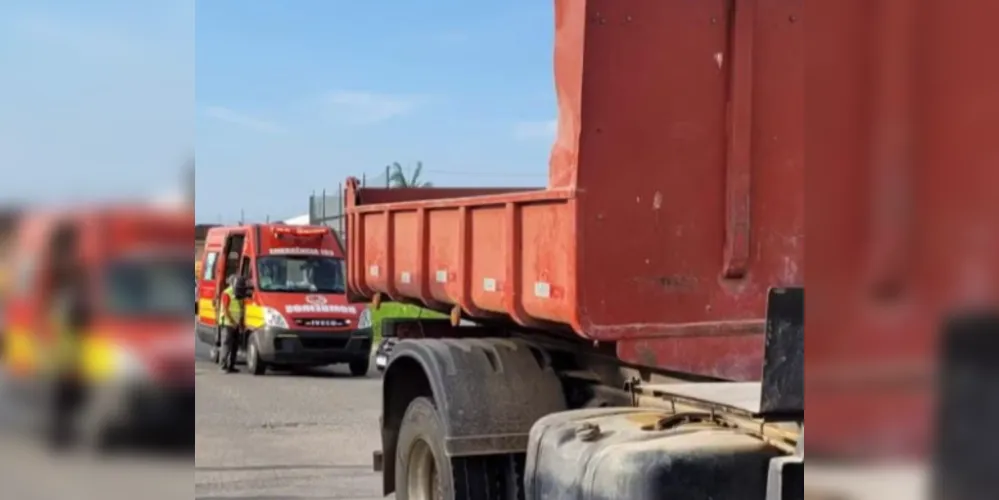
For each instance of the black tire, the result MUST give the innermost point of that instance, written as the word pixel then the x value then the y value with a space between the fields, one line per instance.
pixel 422 430
pixel 360 367
pixel 421 441
pixel 253 363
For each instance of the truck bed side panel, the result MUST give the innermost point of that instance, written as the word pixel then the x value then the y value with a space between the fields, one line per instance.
pixel 674 198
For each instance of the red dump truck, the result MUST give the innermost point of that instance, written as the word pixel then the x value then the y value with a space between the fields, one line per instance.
pixel 641 318
pixel 639 321
pixel 902 264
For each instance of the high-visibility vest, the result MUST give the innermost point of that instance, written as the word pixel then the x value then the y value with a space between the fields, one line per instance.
pixel 68 349
pixel 65 354
pixel 235 308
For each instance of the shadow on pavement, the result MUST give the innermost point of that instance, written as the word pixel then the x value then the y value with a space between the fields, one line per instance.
pixel 323 372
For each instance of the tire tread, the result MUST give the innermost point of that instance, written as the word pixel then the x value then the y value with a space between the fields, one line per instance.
pixel 496 477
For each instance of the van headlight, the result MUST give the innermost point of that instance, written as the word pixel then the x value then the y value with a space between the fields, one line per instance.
pixel 274 318
pixel 365 320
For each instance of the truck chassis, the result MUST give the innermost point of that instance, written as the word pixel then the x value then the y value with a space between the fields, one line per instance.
pixel 496 416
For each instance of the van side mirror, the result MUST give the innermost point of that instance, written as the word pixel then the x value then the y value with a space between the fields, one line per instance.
pixel 248 291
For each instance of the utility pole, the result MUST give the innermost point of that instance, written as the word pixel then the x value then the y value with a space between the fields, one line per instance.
pixel 191 183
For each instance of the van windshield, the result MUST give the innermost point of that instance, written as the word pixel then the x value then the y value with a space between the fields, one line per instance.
pixel 301 273
pixel 157 286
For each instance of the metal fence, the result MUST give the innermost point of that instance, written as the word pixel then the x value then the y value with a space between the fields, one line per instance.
pixel 326 208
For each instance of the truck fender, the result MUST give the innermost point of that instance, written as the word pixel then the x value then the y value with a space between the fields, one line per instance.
pixel 488 392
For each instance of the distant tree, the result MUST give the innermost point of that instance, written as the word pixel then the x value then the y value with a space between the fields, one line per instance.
pixel 399 179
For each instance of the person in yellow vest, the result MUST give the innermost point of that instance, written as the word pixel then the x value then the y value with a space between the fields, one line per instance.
pixel 70 320
pixel 231 320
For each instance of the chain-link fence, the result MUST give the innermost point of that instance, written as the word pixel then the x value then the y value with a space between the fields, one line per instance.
pixel 326 208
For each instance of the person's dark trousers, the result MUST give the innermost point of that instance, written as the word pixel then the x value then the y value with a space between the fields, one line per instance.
pixel 66 394
pixel 230 347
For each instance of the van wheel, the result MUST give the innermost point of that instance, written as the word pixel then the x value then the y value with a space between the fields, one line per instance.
pixel 360 367
pixel 423 471
pixel 253 362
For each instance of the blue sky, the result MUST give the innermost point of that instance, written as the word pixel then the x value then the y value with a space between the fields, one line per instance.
pixel 95 99
pixel 105 98
pixel 294 96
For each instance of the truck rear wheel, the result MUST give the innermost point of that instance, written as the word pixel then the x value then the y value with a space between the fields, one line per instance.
pixel 423 471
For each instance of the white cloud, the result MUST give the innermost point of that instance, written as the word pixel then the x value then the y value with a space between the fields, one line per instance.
pixel 361 107
pixel 535 130
pixel 236 118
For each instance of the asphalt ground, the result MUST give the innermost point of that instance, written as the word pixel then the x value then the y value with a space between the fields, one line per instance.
pixel 286 436
pixel 276 437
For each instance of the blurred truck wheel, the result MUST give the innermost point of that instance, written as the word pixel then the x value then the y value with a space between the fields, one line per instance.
pixel 360 367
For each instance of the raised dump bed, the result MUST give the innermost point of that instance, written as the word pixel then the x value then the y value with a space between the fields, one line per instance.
pixel 674 198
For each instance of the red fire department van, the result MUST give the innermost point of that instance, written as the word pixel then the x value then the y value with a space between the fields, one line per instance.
pixel 298 314
pixel 136 350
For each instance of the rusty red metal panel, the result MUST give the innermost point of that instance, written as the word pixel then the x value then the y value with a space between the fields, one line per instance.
pixel 674 199
pixel 901 192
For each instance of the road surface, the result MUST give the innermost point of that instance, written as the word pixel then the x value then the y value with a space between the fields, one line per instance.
pixel 285 437
pixel 279 437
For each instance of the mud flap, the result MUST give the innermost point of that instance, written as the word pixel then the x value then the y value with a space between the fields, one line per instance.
pixel 783 389
pixel 966 445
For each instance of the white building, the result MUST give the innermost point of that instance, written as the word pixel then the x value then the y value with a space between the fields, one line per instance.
pixel 301 220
